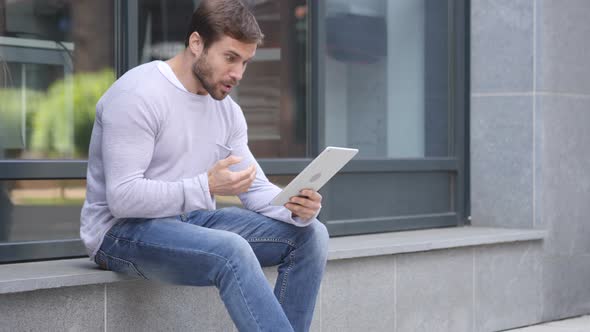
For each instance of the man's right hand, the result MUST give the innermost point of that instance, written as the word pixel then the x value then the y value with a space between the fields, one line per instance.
pixel 224 182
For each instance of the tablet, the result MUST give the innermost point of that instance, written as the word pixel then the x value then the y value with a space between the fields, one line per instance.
pixel 317 173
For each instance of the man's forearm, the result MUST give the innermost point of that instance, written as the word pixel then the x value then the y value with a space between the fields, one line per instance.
pixel 145 198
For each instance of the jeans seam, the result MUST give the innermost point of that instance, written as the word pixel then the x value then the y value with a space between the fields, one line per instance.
pixel 99 262
pixel 165 247
pixel 131 264
pixel 285 277
pixel 291 263
pixel 276 240
pixel 227 262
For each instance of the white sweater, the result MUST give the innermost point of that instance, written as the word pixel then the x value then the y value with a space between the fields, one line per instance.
pixel 151 147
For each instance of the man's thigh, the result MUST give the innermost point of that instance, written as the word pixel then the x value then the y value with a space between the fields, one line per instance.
pixel 169 250
pixel 272 240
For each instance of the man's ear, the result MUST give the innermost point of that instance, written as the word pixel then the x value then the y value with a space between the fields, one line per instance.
pixel 195 44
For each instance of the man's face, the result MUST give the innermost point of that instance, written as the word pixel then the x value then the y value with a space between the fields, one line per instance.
pixel 220 67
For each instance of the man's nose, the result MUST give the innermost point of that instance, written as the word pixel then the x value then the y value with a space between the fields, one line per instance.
pixel 237 72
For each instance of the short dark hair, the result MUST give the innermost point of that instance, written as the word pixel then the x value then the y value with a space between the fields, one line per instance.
pixel 215 18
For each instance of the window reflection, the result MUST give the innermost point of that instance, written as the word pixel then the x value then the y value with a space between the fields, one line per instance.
pixel 387 83
pixel 50 209
pixel 272 93
pixel 40 209
pixel 56 60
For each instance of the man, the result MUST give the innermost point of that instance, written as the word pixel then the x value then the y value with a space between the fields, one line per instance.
pixel 166 139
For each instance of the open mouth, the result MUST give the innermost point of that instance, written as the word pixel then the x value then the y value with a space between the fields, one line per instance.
pixel 226 87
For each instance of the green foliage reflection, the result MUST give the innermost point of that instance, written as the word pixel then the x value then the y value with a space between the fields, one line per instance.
pixel 63 122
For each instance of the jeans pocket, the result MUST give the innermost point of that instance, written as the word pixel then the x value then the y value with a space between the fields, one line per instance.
pixel 117 264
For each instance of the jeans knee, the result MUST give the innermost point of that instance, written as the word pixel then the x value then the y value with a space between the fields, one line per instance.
pixel 237 255
pixel 238 250
pixel 318 239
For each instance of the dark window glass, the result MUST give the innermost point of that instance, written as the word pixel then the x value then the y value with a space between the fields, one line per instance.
pixel 32 210
pixel 56 60
pixel 387 77
pixel 272 93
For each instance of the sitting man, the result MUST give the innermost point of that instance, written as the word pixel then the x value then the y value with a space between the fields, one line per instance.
pixel 166 139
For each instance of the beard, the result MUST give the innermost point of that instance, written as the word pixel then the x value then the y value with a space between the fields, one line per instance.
pixel 204 73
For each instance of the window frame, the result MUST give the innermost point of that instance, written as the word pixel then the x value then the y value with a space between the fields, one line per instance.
pixel 126 57
pixel 456 166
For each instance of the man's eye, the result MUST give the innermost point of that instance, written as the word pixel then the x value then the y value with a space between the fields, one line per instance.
pixel 229 58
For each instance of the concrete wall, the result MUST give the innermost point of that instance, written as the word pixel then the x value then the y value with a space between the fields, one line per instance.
pixel 530 113
pixel 481 288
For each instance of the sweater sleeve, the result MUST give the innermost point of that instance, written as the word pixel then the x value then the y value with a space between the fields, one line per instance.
pixel 262 191
pixel 129 131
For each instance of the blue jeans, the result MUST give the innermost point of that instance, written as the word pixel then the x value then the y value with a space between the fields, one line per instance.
pixel 226 248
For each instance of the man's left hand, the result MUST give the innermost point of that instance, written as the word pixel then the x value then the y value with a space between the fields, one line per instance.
pixel 305 206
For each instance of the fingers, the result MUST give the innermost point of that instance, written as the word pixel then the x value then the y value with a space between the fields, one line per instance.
pixel 241 181
pixel 305 207
pixel 229 161
pixel 306 202
pixel 223 181
pixel 249 172
pixel 311 194
pixel 245 183
pixel 301 211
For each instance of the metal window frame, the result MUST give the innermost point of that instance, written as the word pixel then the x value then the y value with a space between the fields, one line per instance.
pixel 457 166
pixel 125 52
pixel 126 57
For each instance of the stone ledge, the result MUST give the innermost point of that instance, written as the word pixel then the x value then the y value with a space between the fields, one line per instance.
pixel 425 240
pixel 23 277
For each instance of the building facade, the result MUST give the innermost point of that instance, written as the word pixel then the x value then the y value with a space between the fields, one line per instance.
pixel 465 210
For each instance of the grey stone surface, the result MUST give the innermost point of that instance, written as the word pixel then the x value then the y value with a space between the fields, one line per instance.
pixel 31 276
pixel 508 284
pixel 546 328
pixel 146 306
pixel 49 274
pixel 431 290
pixel 131 307
pixel 359 295
pixel 434 291
pixel 563 46
pixel 565 286
pixel 63 309
pixel 538 175
pixel 501 45
pixel 502 161
pixel 425 239
pixel 577 322
pixel 566 176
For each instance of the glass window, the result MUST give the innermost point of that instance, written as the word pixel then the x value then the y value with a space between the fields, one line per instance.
pixel 272 93
pixel 32 210
pixel 387 77
pixel 56 60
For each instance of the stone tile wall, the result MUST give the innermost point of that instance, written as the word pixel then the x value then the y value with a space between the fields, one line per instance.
pixel 485 288
pixel 530 119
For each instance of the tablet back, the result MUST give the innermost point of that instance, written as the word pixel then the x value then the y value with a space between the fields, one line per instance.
pixel 317 173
